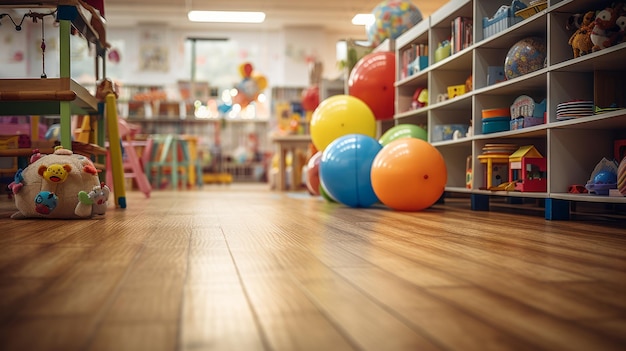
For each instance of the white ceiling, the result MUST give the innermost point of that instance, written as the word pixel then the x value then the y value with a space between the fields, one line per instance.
pixel 332 15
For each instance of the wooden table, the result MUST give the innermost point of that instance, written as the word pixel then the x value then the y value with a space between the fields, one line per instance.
pixel 285 144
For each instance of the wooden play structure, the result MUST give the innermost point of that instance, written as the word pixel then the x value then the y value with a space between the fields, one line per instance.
pixel 64 96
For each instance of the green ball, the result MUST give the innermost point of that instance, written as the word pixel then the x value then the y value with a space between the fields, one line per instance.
pixel 325 195
pixel 403 131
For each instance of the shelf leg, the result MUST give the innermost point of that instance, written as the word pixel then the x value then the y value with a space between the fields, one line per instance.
pixel 480 202
pixel 557 209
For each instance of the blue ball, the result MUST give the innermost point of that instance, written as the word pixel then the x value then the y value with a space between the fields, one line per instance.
pixel 345 169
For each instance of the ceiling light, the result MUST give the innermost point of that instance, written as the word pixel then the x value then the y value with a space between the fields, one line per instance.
pixel 226 16
pixel 363 19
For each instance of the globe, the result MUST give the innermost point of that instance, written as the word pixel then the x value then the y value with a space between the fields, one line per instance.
pixel 525 56
pixel 392 18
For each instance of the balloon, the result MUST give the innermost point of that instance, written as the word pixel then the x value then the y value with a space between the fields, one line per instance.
pixel 392 18
pixel 311 98
pixel 260 80
pixel 250 86
pixel 340 115
pixel 248 91
pixel 345 169
pixel 409 174
pixel 245 69
pixel 313 175
pixel 372 80
pixel 403 131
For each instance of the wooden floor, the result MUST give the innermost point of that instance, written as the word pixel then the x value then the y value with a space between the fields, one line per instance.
pixel 238 267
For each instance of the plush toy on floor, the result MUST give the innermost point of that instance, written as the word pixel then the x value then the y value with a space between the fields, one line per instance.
pixel 59 185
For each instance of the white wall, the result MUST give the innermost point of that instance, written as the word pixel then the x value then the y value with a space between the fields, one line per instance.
pixel 281 56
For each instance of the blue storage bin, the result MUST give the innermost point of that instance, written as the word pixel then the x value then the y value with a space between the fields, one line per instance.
pixel 502 19
pixel 496 124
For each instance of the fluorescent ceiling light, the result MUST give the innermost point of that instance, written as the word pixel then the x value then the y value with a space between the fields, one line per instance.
pixel 363 19
pixel 226 16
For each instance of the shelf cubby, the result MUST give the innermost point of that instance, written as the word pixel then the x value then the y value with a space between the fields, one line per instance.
pixel 572 147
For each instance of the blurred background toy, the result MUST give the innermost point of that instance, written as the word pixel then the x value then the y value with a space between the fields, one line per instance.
pixel 252 84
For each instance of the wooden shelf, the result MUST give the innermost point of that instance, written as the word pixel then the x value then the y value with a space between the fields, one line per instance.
pixel 58 96
pixel 572 147
pixel 42 96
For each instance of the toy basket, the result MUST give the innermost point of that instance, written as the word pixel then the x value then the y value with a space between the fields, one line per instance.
pixel 534 8
pixel 503 18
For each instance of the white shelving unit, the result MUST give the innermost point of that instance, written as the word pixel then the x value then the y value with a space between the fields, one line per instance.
pixel 572 147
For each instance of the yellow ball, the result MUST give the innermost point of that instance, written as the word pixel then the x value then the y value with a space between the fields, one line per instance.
pixel 340 115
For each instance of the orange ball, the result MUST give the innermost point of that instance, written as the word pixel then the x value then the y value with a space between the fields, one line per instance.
pixel 409 174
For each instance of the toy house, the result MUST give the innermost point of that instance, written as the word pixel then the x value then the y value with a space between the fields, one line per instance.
pixel 527 169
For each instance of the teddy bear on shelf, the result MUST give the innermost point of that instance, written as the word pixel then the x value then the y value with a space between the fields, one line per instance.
pixel 620 37
pixel 581 39
pixel 605 31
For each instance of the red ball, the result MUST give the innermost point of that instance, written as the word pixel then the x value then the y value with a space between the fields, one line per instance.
pixel 311 98
pixel 313 174
pixel 372 80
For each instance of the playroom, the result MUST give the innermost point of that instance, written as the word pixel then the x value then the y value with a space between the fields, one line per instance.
pixel 299 175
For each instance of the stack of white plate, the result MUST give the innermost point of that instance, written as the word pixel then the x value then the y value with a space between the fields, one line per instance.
pixel 574 109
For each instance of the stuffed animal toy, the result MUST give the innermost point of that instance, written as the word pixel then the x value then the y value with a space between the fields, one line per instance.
pixel 605 31
pixel 620 37
pixel 581 39
pixel 59 185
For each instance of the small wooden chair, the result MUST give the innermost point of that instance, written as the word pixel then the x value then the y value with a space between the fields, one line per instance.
pixel 130 160
pixel 167 161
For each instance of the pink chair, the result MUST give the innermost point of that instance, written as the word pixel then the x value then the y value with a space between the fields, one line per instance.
pixel 132 164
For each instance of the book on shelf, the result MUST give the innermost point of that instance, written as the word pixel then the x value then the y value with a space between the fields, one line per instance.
pixel 410 59
pixel 461 35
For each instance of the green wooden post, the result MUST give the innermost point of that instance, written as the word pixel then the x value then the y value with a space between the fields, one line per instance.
pixel 64 61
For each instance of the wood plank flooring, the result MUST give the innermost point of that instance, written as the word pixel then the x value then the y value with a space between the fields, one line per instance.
pixel 239 267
